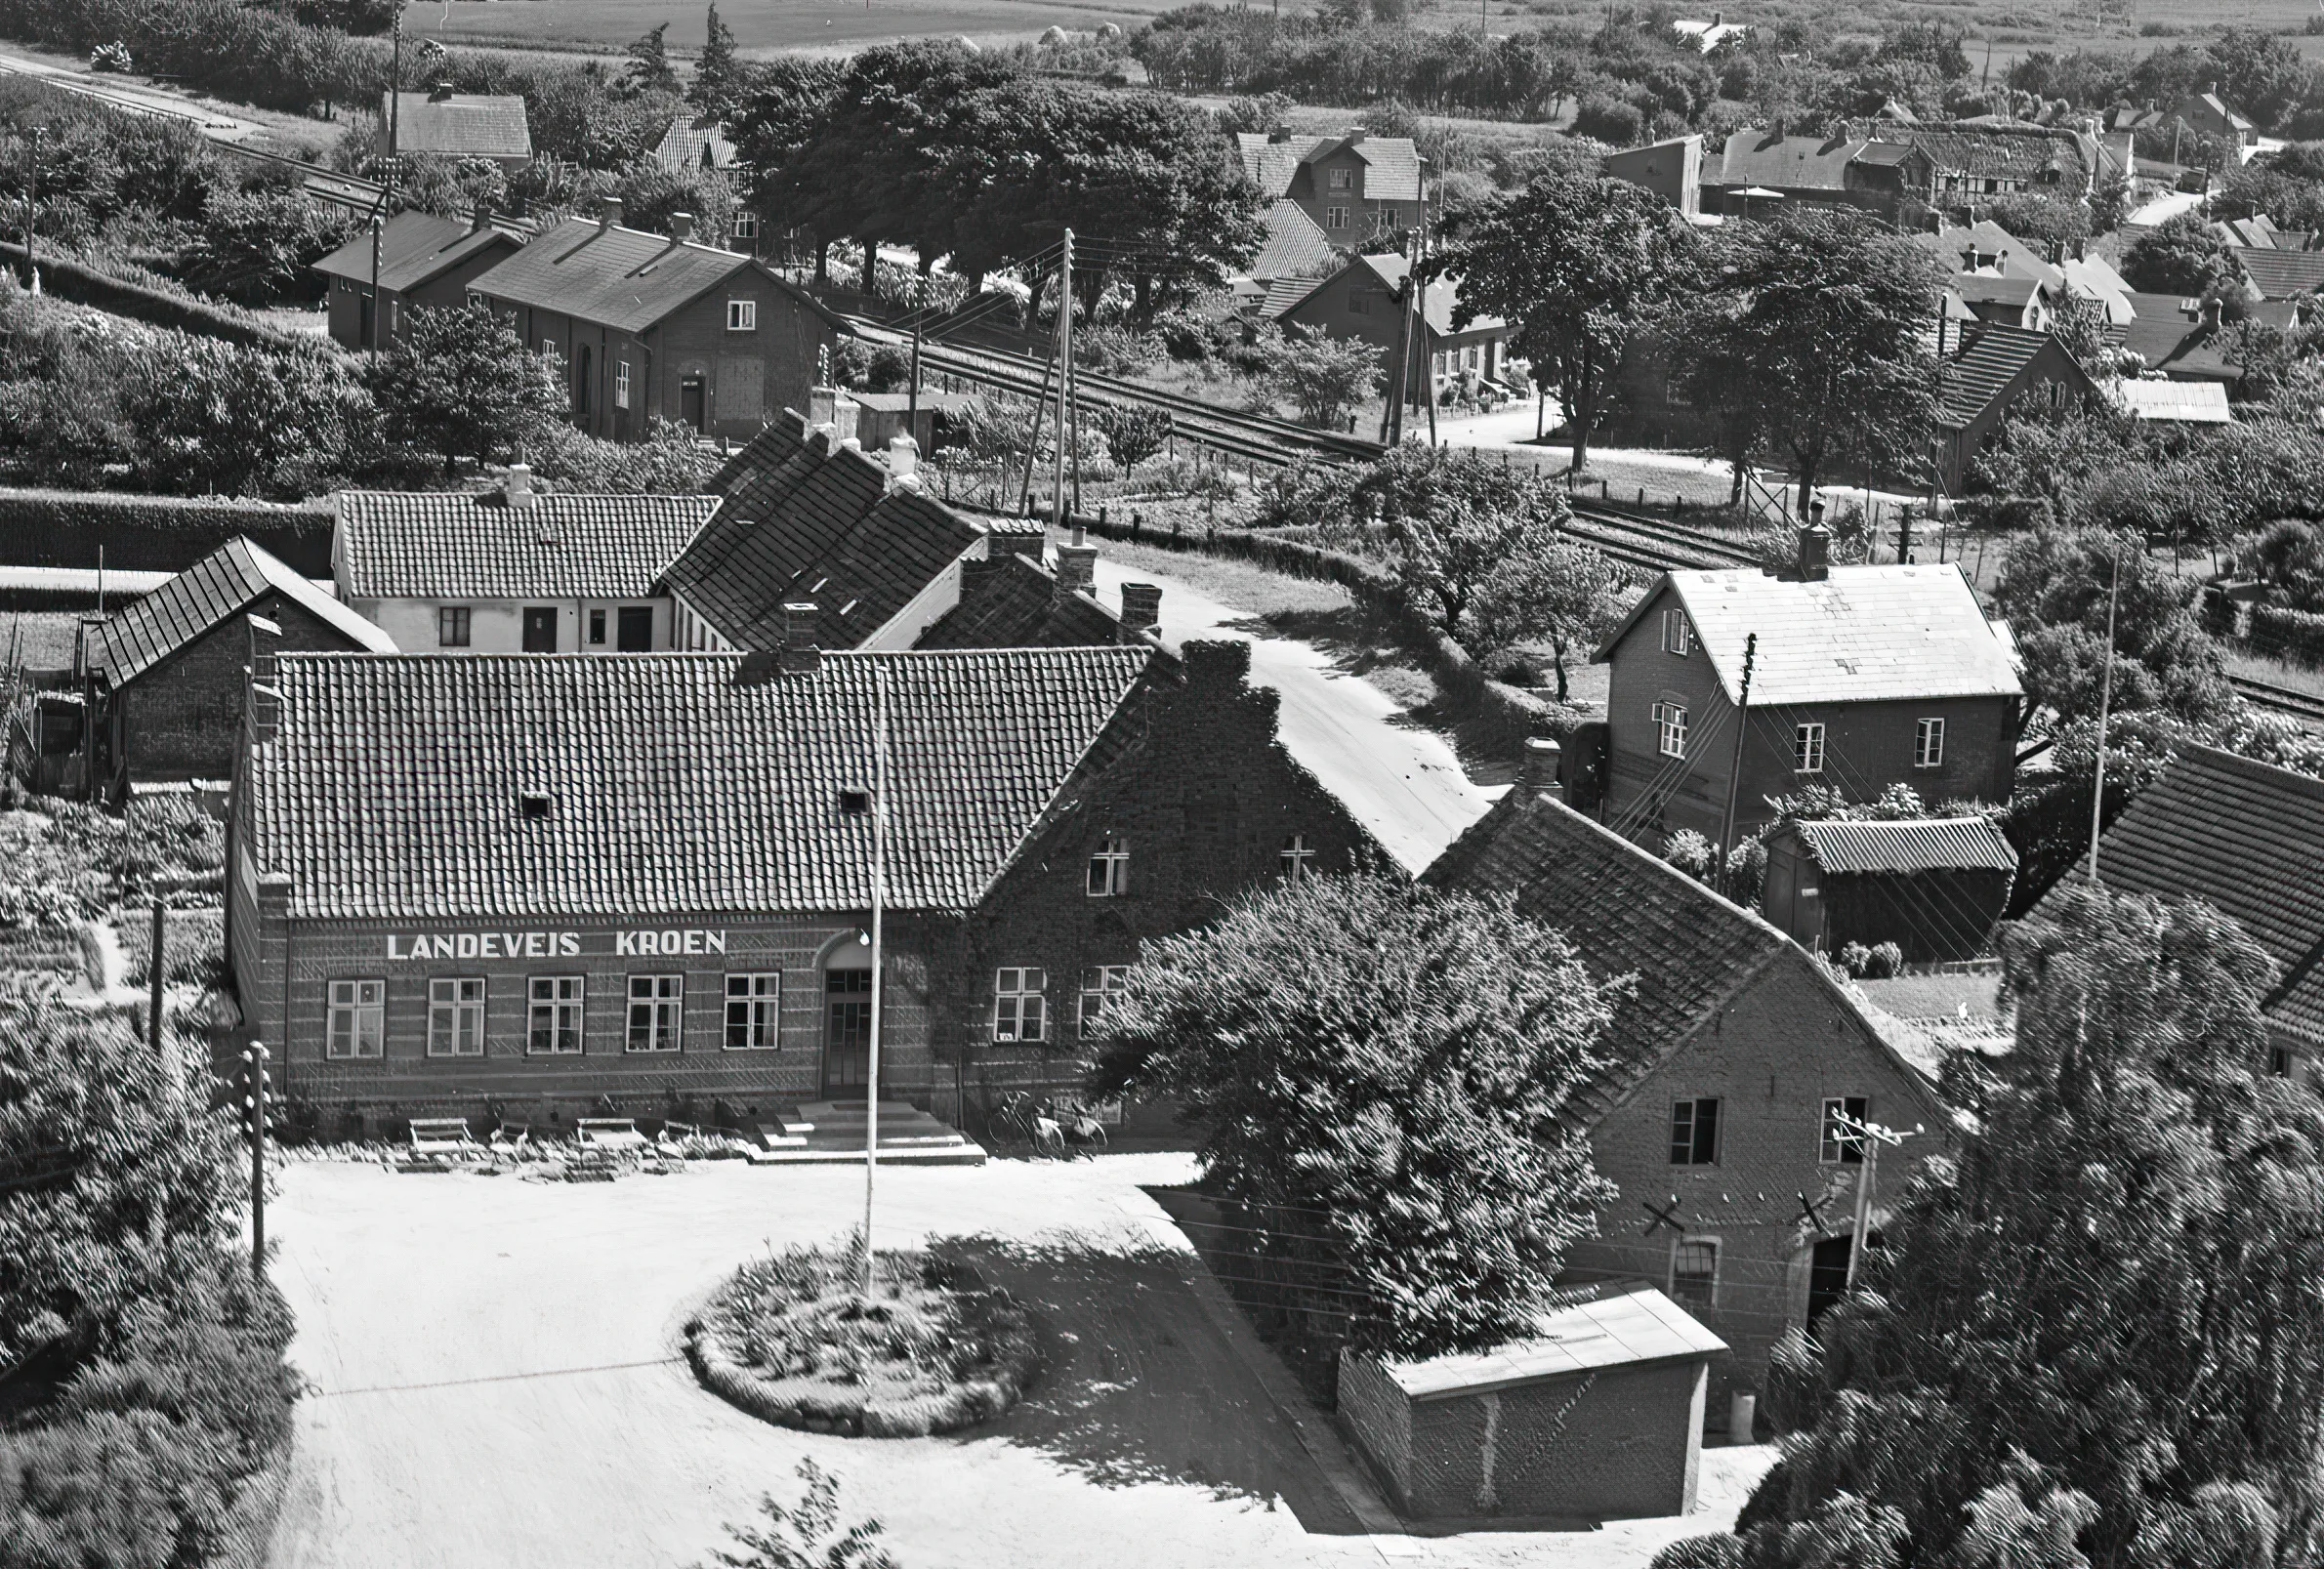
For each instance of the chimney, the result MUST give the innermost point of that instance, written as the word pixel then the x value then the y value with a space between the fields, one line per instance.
pixel 681 228
pixel 1141 612
pixel 2211 313
pixel 439 93
pixel 1356 133
pixel 1540 769
pixel 480 220
pixel 1280 134
pixel 832 407
pixel 1718 19
pixel 1815 549
pixel 609 212
pixel 903 460
pixel 519 485
pixel 1077 565
pixel 802 655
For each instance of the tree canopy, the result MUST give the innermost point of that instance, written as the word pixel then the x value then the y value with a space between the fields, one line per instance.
pixel 2183 255
pixel 458 381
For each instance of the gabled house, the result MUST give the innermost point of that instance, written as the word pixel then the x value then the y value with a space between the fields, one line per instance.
pixel 655 326
pixel 2206 112
pixel 514 570
pixel 423 261
pixel 1672 170
pixel 2182 339
pixel 2281 274
pixel 1364 300
pixel 1863 678
pixel 1354 186
pixel 1970 161
pixel 698 143
pixel 1758 171
pixel 2248 838
pixel 1995 365
pixel 165 674
pixel 445 124
pixel 1730 1068
pixel 1296 250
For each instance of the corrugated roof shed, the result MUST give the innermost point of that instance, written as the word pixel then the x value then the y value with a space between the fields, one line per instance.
pixel 459 125
pixel 413 247
pixel 2281 274
pixel 1908 845
pixel 2190 403
pixel 2249 838
pixel 691 784
pixel 222 585
pixel 439 544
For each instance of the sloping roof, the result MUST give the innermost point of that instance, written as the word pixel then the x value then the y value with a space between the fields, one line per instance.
pixel 692 785
pixel 1984 288
pixel 2007 152
pixel 623 278
pixel 1865 634
pixel 2217 105
pixel 1754 157
pixel 1296 247
pixel 463 125
pixel 807 522
pixel 1012 601
pixel 1436 304
pixel 1626 1330
pixel 698 142
pixel 1908 845
pixel 220 586
pixel 2281 274
pixel 1283 294
pixel 1391 164
pixel 2249 838
pixel 1989 364
pixel 440 545
pixel 1270 163
pixel 2189 402
pixel 1961 244
pixel 2168 338
pixel 413 247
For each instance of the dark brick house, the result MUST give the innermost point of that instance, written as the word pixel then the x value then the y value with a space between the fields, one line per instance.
pixel 1363 300
pixel 1725 1068
pixel 1865 677
pixel 1352 186
pixel 423 261
pixel 544 885
pixel 661 326
pixel 166 674
pixel 1996 366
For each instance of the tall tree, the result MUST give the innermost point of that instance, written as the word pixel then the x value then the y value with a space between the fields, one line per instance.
pixel 1404 1095
pixel 1320 375
pixel 1550 590
pixel 1581 266
pixel 721 79
pixel 650 69
pixel 2097 1335
pixel 460 383
pixel 2183 255
pixel 2055 592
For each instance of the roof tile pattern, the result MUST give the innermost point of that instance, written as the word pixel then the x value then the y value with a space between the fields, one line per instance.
pixel 1910 845
pixel 435 545
pixel 623 278
pixel 2281 274
pixel 1012 602
pixel 1296 246
pixel 465 125
pixel 413 248
pixel 692 785
pixel 221 584
pixel 1988 367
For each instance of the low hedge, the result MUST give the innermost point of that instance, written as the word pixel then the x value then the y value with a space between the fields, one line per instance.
pixel 154 533
pixel 2294 634
pixel 71 278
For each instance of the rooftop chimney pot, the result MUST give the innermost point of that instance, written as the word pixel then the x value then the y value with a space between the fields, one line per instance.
pixel 802 655
pixel 609 213
pixel 1077 569
pixel 903 458
pixel 1142 611
pixel 440 91
pixel 1815 549
pixel 519 486
pixel 1542 759
pixel 681 227
pixel 480 220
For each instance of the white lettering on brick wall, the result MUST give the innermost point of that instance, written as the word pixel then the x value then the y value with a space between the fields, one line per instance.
pixel 552 945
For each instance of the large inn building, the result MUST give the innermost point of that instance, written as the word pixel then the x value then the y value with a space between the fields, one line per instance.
pixel 552 886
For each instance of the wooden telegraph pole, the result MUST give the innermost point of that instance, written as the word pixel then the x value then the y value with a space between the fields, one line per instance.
pixel 1057 510
pixel 254 1103
pixel 878 910
pixel 1734 778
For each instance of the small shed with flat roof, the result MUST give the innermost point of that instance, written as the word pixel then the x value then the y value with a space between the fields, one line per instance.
pixel 1597 1417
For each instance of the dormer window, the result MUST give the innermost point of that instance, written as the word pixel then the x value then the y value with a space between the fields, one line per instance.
pixel 536 805
pixel 854 802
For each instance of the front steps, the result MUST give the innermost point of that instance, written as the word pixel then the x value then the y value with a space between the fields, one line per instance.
pixel 829 1133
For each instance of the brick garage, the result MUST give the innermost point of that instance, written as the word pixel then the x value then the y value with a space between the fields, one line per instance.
pixel 592 807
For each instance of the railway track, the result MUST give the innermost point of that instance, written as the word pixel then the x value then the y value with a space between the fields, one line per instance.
pixel 1653 542
pixel 2283 699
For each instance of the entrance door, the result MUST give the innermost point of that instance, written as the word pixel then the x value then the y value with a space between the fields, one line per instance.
pixel 689 402
pixel 540 629
pixel 633 629
pixel 581 372
pixel 846 1033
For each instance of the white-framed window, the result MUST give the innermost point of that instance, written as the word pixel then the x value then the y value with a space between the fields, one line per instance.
pixel 656 1005
pixel 548 345
pixel 1390 218
pixel 1335 218
pixel 742 315
pixel 1342 180
pixel 1017 1005
pixel 753 1009
pixel 456 1016
pixel 1838 1141
pixel 552 1026
pixel 1669 730
pixel 1109 868
pixel 746 224
pixel 1100 983
pixel 621 384
pixel 1297 859
pixel 451 626
pixel 359 1019
pixel 1694 1132
pixel 1694 1272
pixel 1678 634
pixel 1808 747
pixel 1928 743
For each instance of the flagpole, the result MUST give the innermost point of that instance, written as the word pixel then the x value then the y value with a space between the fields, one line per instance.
pixel 879 903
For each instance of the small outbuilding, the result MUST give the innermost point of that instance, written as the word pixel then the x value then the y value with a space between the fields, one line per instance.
pixel 1935 886
pixel 1600 1417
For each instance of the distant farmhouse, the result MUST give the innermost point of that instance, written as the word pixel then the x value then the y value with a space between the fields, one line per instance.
pixel 1756 171
pixel 1353 187
pixel 457 125
pixel 1364 300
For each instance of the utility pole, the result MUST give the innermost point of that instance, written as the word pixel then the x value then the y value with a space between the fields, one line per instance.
pixel 1420 306
pixel 1392 418
pixel 1734 778
pixel 371 327
pixel 1870 1136
pixel 878 910
pixel 912 407
pixel 254 1102
pixel 2097 796
pixel 1064 376
pixel 31 212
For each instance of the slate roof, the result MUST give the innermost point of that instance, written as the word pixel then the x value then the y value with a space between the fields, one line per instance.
pixel 1984 369
pixel 1865 634
pixel 623 278
pixel 2281 274
pixel 222 585
pixel 2249 838
pixel 1908 845
pixel 2172 341
pixel 465 125
pixel 1631 1329
pixel 449 545
pixel 1755 157
pixel 1296 246
pixel 413 248
pixel 698 142
pixel 806 523
pixel 1391 164
pixel 1010 601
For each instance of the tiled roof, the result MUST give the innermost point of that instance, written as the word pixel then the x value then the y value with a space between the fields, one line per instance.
pixel 1958 246
pixel 1754 157
pixel 2249 838
pixel 687 785
pixel 1986 369
pixel 1282 294
pixel 1865 634
pixel 1012 601
pixel 1391 164
pixel 1271 164
pixel 802 523
pixel 2168 339
pixel 413 247
pixel 2001 152
pixel 1389 273
pixel 221 585
pixel 698 142
pixel 465 125
pixel 440 545
pixel 1296 247
pixel 2281 274
pixel 1983 288
pixel 1912 845
pixel 623 278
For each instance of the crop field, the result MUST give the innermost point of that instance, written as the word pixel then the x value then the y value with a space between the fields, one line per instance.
pixel 761 27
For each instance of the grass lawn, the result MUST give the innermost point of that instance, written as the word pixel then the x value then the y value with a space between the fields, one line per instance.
pixel 2283 673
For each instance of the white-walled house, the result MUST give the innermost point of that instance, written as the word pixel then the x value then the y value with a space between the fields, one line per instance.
pixel 514 570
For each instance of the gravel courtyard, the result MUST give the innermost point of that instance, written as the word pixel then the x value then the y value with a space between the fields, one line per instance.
pixel 495 1381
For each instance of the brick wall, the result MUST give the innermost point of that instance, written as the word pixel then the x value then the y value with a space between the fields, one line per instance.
pixel 749 378
pixel 1770 1055
pixel 181 719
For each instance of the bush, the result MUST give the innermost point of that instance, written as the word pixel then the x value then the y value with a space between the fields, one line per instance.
pixel 154 533
pixel 670 462
pixel 1876 962
pixel 112 57
pixel 2297 635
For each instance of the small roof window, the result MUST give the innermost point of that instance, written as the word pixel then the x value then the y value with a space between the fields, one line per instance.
pixel 536 805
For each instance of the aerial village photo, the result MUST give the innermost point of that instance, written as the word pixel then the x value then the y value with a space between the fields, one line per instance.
pixel 1119 784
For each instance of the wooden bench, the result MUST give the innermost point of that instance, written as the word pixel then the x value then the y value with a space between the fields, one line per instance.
pixel 608 1132
pixel 443 1135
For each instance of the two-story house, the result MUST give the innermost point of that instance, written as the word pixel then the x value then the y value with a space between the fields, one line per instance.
pixel 1861 678
pixel 661 326
pixel 422 260
pixel 1365 300
pixel 1354 186
pixel 514 570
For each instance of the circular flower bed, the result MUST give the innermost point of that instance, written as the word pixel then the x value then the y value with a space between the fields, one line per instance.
pixel 792 1339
